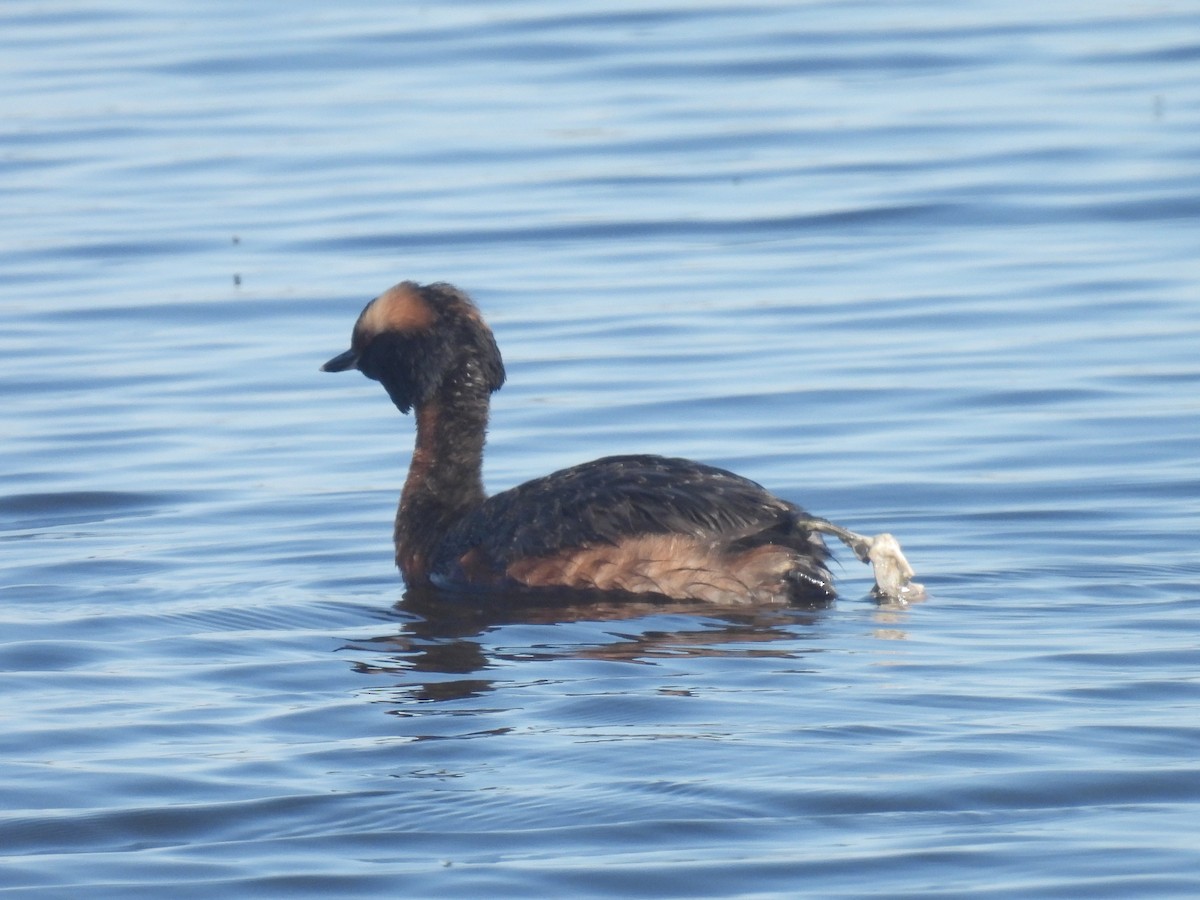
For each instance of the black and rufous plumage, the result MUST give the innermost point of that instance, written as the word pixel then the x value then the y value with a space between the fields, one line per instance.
pixel 638 525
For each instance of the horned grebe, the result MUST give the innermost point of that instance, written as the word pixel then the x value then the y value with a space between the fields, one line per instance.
pixel 644 525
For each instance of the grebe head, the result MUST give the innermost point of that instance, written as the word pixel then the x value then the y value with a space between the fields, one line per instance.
pixel 416 339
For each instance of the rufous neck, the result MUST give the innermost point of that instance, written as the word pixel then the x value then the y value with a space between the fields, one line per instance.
pixel 445 478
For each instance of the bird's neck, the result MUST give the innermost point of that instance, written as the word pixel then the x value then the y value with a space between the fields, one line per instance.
pixel 445 478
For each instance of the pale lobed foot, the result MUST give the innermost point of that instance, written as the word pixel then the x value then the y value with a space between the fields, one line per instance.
pixel 893 574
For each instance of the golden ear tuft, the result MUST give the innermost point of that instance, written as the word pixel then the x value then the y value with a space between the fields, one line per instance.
pixel 399 308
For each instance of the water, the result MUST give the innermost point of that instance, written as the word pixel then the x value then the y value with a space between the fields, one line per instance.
pixel 926 268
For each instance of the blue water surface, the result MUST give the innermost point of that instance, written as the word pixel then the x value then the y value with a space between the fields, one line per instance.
pixel 927 268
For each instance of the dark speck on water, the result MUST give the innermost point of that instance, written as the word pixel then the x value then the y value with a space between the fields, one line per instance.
pixel 927 269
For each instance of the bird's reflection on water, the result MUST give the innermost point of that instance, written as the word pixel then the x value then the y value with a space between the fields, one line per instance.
pixel 445 643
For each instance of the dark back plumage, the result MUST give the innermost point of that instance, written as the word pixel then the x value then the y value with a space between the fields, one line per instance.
pixel 615 498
